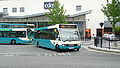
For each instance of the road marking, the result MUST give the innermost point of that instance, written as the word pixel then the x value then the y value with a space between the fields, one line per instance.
pixel 68 53
pixel 55 54
pixel 16 55
pixel 38 54
pixel 48 54
pixel 61 54
pixel 2 53
pixel 8 55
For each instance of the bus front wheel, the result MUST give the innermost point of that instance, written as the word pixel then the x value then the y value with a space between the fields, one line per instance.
pixel 57 48
pixel 13 42
pixel 77 49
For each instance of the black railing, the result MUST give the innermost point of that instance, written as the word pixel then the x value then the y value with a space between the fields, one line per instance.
pixel 107 43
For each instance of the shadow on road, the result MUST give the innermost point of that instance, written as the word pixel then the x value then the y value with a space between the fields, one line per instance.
pixel 62 51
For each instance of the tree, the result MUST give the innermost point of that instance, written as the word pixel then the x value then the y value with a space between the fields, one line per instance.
pixel 117 31
pixel 112 11
pixel 57 14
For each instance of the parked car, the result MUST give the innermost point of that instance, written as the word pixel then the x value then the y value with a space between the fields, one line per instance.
pixel 106 36
pixel 109 36
pixel 112 37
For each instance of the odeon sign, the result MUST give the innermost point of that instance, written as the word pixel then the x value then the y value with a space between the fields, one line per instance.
pixel 48 5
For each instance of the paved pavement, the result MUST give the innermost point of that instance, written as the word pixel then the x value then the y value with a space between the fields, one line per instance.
pixel 104 49
pixel 114 46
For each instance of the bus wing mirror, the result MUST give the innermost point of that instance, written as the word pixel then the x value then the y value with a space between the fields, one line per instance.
pixel 76 33
pixel 58 38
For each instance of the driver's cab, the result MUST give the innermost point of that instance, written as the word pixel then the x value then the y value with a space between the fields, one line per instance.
pixel 29 33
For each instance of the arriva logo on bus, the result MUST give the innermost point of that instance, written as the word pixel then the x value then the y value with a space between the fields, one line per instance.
pixel 48 5
pixel 2 29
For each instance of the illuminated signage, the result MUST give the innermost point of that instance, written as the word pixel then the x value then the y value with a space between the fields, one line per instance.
pixel 67 26
pixel 48 5
pixel 5 29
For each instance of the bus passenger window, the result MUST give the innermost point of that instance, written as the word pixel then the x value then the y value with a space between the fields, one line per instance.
pixel 1 35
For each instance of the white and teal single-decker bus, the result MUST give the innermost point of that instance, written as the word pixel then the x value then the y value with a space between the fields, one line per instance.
pixel 15 35
pixel 58 37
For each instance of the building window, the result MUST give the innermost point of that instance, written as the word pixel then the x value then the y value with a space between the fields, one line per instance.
pixel 14 10
pixel 5 10
pixel 22 9
pixel 78 8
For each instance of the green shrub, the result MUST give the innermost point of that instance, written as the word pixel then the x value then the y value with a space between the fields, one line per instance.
pixel 117 31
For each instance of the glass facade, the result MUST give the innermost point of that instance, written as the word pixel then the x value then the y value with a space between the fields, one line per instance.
pixel 81 26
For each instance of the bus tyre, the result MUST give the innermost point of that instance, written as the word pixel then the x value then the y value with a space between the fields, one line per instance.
pixel 77 49
pixel 13 42
pixel 57 48
pixel 37 44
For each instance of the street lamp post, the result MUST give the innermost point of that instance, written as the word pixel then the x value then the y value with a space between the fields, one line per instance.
pixel 101 24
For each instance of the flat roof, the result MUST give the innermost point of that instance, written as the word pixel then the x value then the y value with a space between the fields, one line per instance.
pixel 43 14
pixel 108 25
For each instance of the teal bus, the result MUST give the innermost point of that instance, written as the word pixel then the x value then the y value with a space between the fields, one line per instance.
pixel 15 35
pixel 58 37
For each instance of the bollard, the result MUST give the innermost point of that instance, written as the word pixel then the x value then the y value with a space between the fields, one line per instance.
pixel 109 42
pixel 96 41
pixel 101 42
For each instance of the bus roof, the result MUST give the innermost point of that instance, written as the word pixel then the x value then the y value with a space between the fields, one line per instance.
pixel 15 24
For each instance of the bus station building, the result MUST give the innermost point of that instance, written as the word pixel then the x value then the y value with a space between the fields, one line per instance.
pixel 86 14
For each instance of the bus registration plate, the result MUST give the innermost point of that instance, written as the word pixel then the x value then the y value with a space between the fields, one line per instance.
pixel 71 47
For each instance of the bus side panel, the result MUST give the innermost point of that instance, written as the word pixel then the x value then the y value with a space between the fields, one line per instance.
pixel 8 40
pixel 45 43
pixel 23 40
pixel 5 40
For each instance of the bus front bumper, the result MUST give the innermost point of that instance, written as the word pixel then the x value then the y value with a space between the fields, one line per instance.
pixel 68 47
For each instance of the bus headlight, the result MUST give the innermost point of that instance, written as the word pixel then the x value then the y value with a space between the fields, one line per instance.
pixel 78 45
pixel 63 45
